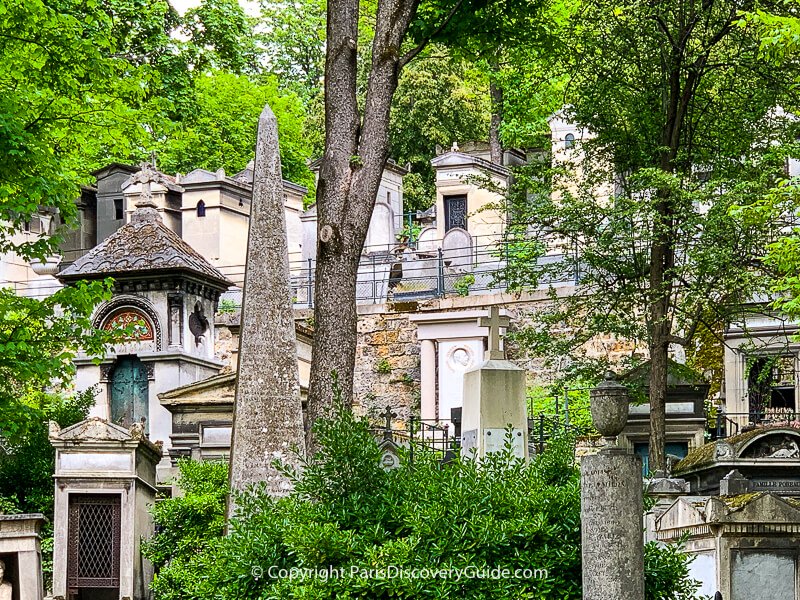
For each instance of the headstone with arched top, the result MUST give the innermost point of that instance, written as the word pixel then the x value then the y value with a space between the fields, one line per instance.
pixel 457 248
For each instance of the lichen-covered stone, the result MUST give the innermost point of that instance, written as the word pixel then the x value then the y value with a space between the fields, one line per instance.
pixel 268 418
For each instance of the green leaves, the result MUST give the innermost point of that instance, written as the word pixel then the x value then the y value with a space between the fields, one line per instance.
pixel 669 149
pixel 221 132
pixel 40 338
pixel 347 516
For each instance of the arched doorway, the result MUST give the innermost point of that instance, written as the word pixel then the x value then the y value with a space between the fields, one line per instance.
pixel 129 392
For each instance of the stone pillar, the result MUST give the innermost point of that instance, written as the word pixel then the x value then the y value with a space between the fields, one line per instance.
pixel 611 505
pixel 268 416
pixel 427 365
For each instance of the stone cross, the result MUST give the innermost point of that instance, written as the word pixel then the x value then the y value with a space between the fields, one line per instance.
pixel 494 322
pixel 388 415
pixel 268 416
pixel 146 176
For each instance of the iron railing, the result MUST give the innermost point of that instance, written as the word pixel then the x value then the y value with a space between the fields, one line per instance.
pixel 402 271
pixel 723 424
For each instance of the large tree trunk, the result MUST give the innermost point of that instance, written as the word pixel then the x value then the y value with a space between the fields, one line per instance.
pixel 356 150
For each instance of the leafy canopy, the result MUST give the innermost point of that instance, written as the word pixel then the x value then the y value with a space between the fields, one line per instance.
pixel 681 122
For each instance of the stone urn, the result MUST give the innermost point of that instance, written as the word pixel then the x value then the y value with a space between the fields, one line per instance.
pixel 48 266
pixel 609 403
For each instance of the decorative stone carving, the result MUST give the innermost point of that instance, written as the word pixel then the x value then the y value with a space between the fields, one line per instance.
pixel 6 589
pixel 137 431
pixel 460 358
pixel 773 446
pixel 723 451
pixel 609 407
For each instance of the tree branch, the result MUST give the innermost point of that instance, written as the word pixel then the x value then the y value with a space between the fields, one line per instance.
pixel 409 56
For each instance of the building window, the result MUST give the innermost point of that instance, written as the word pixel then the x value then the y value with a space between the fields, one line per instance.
pixel 771 386
pixel 118 209
pixel 201 209
pixel 455 212
pixel 569 141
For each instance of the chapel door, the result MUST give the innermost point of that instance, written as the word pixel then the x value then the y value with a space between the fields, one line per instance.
pixel 455 212
pixel 93 548
pixel 129 392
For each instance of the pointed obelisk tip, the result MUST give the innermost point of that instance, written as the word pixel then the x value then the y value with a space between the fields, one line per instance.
pixel 267 114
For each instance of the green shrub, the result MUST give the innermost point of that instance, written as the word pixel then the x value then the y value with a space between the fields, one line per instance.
pixel 227 305
pixel 186 523
pixel 348 514
pixel 462 284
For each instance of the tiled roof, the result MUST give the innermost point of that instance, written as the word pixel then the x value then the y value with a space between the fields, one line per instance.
pixel 143 245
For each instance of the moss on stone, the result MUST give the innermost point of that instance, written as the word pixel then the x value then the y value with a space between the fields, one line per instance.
pixel 740 501
pixel 705 454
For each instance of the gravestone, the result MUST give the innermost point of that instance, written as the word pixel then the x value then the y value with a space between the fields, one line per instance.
pixel 457 248
pixel 268 416
pixel 381 232
pixel 611 505
pixel 494 409
pixel 426 242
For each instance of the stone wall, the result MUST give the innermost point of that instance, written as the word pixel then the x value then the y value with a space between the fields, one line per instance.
pixel 387 364
pixel 387 358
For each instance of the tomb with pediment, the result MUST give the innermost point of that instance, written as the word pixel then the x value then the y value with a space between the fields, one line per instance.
pixel 767 458
pixel 737 510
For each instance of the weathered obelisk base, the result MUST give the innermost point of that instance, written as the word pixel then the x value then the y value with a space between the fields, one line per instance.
pixel 268 416
pixel 611 506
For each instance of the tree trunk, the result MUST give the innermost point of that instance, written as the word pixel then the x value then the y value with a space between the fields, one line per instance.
pixel 496 94
pixel 659 356
pixel 356 150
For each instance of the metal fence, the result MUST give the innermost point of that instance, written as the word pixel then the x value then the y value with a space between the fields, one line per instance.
pixel 391 272
pixel 722 424
pixel 404 273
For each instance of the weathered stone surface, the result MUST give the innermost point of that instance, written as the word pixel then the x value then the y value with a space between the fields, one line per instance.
pixel 268 421
pixel 387 365
pixel 609 406
pixel 611 526
pixel 734 484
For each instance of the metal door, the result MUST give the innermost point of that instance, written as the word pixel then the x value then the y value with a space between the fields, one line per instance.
pixel 455 210
pixel 129 392
pixel 93 547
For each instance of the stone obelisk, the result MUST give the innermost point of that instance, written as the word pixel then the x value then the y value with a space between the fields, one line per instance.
pixel 268 416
